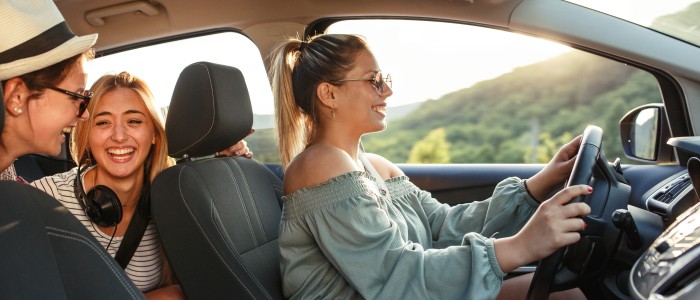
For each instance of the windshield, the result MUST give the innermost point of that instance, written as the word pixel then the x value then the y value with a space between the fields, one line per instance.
pixel 678 18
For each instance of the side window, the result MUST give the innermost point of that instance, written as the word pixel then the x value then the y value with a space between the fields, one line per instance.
pixel 160 65
pixel 466 94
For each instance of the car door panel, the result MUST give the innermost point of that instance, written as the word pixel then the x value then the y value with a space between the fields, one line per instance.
pixel 460 183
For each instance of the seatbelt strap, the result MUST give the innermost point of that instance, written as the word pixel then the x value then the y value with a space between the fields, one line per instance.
pixel 137 227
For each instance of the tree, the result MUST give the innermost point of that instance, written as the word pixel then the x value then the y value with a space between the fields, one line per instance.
pixel 433 149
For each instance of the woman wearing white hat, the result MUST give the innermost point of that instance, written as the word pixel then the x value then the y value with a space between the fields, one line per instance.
pixel 42 77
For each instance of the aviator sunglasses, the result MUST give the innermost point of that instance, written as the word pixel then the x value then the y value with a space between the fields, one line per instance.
pixel 378 81
pixel 83 97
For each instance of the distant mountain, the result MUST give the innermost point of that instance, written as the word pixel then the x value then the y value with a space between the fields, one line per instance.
pixel 397 112
pixel 263 121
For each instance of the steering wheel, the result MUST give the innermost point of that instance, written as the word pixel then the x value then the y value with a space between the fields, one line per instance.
pixel 552 271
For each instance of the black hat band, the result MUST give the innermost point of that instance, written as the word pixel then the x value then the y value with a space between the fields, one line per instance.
pixel 45 42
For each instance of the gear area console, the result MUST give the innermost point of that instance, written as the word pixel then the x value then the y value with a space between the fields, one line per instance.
pixel 670 267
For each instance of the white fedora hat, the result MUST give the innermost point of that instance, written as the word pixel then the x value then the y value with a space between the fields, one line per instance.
pixel 34 35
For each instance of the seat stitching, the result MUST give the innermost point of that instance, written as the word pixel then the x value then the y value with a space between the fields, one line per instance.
pixel 199 226
pixel 101 254
pixel 211 126
pixel 230 245
pixel 243 202
pixel 252 203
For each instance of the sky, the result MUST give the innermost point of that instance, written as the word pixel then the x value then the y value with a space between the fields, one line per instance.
pixel 464 54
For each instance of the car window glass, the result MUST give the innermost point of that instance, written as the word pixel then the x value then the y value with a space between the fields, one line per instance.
pixel 466 94
pixel 160 65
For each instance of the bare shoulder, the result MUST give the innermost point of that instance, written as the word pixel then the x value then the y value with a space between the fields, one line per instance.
pixel 384 167
pixel 315 165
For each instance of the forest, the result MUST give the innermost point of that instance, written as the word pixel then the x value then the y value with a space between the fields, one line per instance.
pixel 523 116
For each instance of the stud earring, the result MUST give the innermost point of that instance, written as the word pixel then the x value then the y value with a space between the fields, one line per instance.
pixel 18 110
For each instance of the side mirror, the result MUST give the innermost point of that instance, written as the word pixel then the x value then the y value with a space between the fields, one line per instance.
pixel 644 132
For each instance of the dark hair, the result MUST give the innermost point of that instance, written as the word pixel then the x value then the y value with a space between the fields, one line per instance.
pixel 296 69
pixel 54 74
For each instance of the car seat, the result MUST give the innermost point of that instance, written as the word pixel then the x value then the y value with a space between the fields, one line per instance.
pixel 217 217
pixel 46 253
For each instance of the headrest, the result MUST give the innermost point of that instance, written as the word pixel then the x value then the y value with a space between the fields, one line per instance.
pixel 210 110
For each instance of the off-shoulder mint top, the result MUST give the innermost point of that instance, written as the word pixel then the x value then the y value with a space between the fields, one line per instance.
pixel 345 239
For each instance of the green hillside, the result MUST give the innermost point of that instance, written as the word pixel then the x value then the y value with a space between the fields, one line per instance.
pixel 494 121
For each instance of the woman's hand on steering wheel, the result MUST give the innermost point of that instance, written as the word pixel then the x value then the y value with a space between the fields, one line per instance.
pixel 556 172
pixel 555 224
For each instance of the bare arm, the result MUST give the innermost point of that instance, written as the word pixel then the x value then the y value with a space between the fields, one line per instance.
pixel 171 292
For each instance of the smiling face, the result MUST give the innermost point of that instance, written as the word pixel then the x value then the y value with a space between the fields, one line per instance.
pixel 52 112
pixel 358 102
pixel 121 133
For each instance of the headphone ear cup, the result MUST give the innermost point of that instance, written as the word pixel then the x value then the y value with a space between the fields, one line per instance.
pixel 102 206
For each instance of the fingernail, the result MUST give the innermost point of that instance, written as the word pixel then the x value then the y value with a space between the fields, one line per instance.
pixel 236 153
pixel 590 189
pixel 585 225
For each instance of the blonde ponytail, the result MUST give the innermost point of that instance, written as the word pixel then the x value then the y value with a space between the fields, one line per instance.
pixel 291 130
pixel 296 69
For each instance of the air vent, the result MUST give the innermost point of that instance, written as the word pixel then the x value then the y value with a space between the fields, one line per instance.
pixel 668 192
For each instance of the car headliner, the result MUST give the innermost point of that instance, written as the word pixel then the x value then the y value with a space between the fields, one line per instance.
pixel 265 20
pixel 268 22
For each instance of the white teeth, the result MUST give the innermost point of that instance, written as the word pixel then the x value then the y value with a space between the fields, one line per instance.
pixel 378 108
pixel 121 151
pixel 67 130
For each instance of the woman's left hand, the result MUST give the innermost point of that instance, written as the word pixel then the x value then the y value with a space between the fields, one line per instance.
pixel 239 149
pixel 556 172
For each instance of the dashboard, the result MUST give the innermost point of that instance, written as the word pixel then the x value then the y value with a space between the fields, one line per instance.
pixel 670 267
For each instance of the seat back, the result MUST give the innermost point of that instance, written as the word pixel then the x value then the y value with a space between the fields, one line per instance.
pixel 46 253
pixel 217 217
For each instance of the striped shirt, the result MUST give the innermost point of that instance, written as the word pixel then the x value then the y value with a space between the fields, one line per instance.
pixel 11 174
pixel 145 268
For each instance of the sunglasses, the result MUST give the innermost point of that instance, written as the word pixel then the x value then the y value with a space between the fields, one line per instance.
pixel 378 81
pixel 83 96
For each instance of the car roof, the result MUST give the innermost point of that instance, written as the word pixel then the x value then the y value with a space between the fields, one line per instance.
pixel 265 22
pixel 261 18
pixel 268 22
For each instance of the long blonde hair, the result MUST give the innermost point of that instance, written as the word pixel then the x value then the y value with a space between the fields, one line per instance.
pixel 158 159
pixel 296 69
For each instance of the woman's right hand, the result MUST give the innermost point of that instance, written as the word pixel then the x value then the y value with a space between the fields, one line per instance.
pixel 555 224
